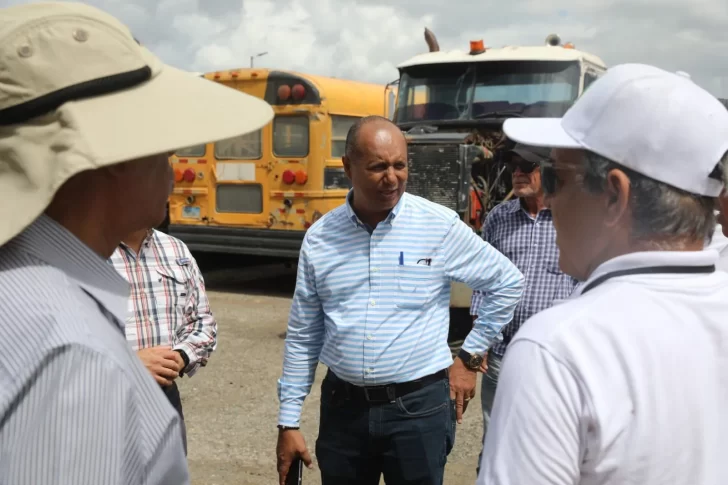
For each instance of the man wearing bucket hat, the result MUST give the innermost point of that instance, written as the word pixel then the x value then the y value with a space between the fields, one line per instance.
pixel 627 380
pixel 87 119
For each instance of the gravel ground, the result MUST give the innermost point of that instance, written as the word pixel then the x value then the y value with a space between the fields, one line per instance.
pixel 231 405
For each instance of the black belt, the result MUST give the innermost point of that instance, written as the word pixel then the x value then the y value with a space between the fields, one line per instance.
pixel 385 393
pixel 650 270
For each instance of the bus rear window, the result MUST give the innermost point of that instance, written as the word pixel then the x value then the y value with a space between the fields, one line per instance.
pixel 243 147
pixel 290 136
pixel 195 151
pixel 339 128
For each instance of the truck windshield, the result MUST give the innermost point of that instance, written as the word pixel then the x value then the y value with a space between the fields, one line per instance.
pixel 480 90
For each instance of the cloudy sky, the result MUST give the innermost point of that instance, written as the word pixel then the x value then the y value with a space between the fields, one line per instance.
pixel 366 39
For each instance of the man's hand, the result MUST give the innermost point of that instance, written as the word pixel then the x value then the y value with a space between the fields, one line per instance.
pixel 484 365
pixel 290 445
pixel 462 386
pixel 180 361
pixel 162 362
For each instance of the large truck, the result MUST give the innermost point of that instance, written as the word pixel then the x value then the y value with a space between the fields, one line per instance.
pixel 452 105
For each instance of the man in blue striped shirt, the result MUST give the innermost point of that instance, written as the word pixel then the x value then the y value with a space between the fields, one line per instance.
pixel 523 230
pixel 372 304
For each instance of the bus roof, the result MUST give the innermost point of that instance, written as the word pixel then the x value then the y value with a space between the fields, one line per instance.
pixel 507 53
pixel 340 95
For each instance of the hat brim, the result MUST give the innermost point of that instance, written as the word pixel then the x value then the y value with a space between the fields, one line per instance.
pixel 540 132
pixel 174 109
pixel 527 155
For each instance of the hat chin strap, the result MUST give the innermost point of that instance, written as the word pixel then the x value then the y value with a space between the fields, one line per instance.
pixel 33 108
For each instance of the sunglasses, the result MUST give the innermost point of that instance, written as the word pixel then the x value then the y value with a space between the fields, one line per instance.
pixel 525 167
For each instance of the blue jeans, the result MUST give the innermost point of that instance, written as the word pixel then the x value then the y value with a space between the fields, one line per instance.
pixel 487 394
pixel 407 440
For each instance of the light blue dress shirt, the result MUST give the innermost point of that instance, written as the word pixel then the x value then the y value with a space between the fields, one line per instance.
pixel 374 308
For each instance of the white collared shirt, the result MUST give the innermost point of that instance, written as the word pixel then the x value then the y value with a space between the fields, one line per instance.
pixel 720 244
pixel 626 383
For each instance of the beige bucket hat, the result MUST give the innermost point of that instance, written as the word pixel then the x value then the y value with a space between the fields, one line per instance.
pixel 78 92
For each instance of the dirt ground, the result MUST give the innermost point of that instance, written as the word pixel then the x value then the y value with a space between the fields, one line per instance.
pixel 231 405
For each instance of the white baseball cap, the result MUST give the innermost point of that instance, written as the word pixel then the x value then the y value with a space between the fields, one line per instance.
pixel 659 124
pixel 78 92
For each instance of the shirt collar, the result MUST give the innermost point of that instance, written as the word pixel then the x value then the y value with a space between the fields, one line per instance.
pixel 49 241
pixel 644 259
pixel 520 206
pixel 351 215
pixel 148 240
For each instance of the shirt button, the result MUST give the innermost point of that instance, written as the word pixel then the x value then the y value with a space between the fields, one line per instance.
pixel 372 303
pixel 369 336
pixel 374 270
pixel 369 370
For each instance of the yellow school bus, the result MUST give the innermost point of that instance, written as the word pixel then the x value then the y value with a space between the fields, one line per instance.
pixel 257 194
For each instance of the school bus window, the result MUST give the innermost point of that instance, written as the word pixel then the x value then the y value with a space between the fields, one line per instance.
pixel 239 198
pixel 339 128
pixel 243 147
pixel 290 136
pixel 194 151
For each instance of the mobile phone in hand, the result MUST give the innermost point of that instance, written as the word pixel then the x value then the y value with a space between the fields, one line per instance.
pixel 295 473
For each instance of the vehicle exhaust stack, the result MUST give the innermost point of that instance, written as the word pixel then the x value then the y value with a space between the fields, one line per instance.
pixel 553 40
pixel 431 40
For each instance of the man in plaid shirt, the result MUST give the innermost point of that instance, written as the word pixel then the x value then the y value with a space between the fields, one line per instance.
pixel 523 230
pixel 169 323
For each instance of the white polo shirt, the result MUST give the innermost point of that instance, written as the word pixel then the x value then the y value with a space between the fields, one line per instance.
pixel 720 244
pixel 626 383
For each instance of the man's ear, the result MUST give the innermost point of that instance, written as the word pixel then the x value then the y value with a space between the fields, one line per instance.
pixel 617 192
pixel 347 165
pixel 722 204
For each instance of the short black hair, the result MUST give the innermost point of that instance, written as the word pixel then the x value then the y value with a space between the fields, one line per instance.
pixel 351 149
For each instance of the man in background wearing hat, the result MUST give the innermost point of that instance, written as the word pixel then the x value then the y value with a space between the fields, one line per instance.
pixel 627 380
pixel 523 230
pixel 87 119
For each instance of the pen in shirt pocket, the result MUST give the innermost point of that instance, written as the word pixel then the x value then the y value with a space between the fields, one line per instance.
pixel 401 258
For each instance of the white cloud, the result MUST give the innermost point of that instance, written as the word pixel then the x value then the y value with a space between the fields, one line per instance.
pixel 366 39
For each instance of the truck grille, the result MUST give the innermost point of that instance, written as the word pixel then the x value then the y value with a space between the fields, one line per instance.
pixel 434 173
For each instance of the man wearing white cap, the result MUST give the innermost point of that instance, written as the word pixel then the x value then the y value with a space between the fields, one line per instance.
pixel 87 119
pixel 626 382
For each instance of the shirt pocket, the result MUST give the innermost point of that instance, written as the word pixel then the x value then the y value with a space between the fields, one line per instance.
pixel 172 291
pixel 415 285
pixel 552 267
pixel 558 285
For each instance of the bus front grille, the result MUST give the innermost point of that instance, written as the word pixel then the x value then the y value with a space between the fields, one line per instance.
pixel 435 172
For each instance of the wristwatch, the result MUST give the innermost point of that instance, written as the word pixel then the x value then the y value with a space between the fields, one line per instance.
pixel 185 359
pixel 471 361
pixel 284 428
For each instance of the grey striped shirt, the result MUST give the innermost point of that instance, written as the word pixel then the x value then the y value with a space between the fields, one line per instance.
pixel 76 405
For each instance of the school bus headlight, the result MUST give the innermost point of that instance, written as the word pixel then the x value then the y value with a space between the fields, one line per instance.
pixel 189 175
pixel 284 92
pixel 298 92
pixel 301 177
pixel 288 177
